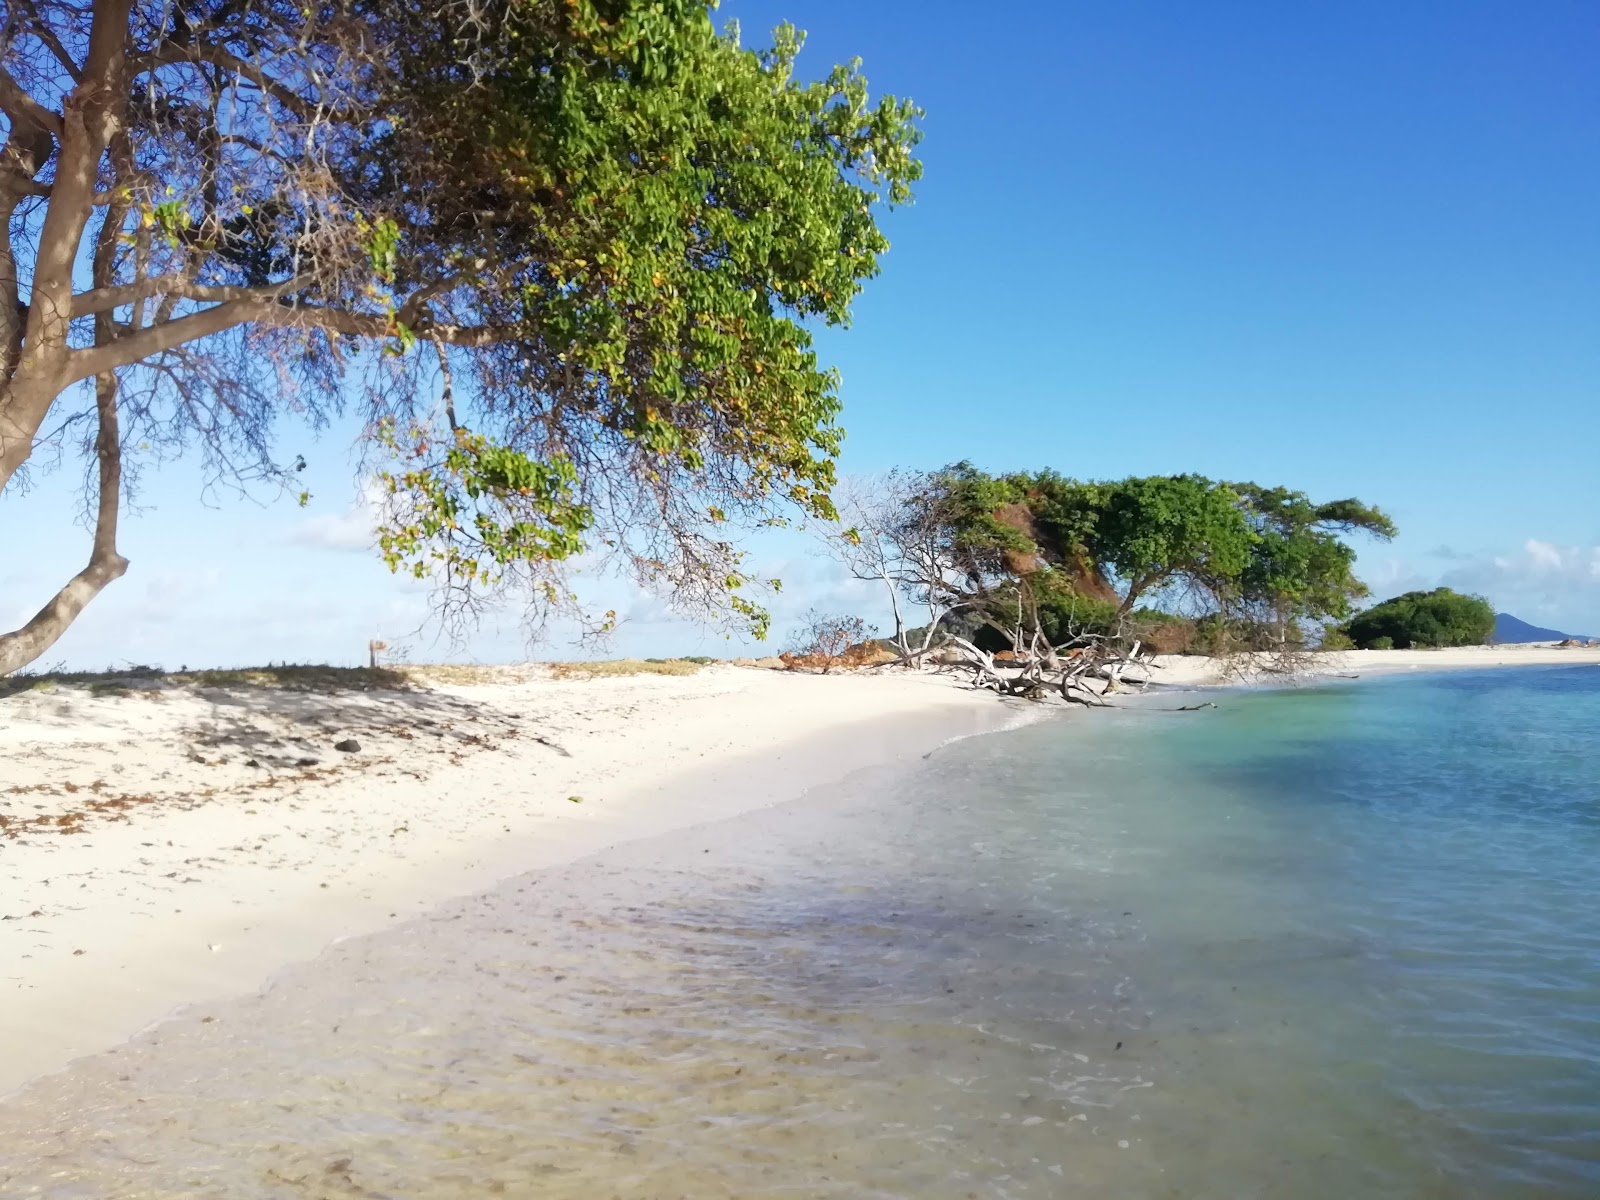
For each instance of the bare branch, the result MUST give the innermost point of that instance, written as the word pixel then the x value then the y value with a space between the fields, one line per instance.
pixel 81 364
pixel 172 53
pixel 108 299
pixel 24 109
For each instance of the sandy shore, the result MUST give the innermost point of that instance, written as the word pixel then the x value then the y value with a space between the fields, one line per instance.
pixel 1205 672
pixel 163 845
pixel 173 845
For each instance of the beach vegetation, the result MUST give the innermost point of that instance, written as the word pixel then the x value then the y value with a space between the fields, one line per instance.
pixel 564 258
pixel 828 641
pixel 1334 638
pixel 614 668
pixel 1425 620
pixel 1040 567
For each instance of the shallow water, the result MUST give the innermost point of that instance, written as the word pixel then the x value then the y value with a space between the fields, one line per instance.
pixel 1335 942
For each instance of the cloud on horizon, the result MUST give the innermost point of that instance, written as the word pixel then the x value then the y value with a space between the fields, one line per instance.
pixel 1541 582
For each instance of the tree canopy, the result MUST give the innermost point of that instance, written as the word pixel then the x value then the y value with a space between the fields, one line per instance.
pixel 1415 620
pixel 1086 557
pixel 564 256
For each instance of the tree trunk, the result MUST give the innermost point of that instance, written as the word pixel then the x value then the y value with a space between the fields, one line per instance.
pixel 25 645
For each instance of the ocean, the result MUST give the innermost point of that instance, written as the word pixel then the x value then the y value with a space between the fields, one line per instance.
pixel 1339 941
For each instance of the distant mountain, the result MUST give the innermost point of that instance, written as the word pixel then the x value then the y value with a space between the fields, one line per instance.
pixel 1507 629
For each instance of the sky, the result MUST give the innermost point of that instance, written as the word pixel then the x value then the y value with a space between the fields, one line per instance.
pixel 1354 249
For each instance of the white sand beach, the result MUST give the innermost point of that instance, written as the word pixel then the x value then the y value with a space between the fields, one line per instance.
pixel 164 845
pixel 1196 671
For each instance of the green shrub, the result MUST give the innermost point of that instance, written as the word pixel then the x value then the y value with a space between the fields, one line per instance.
pixel 1334 637
pixel 1438 618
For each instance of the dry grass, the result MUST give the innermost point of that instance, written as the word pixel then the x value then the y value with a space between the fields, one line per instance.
pixel 465 674
pixel 626 666
pixel 145 680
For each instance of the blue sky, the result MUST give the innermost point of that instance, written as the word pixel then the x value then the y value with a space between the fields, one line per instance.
pixel 1353 249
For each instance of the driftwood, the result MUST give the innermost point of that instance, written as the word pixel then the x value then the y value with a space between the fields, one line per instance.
pixel 1036 670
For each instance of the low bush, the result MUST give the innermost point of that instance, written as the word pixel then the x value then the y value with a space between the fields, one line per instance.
pixel 1438 618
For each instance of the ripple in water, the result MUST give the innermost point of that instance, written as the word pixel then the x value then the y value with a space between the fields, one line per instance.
pixel 1322 944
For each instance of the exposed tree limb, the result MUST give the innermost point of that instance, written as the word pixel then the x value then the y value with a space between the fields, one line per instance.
pixel 108 299
pixel 105 565
pixel 23 109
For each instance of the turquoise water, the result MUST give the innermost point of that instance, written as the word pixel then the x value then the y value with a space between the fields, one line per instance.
pixel 1313 944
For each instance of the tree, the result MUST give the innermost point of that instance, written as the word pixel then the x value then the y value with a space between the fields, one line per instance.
pixel 1438 618
pixel 1300 570
pixel 896 529
pixel 1058 575
pixel 1156 531
pixel 563 254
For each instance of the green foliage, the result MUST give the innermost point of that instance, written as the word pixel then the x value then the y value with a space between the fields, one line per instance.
pixel 477 508
pixel 1082 555
pixel 1438 618
pixel 1335 637
pixel 1300 567
pixel 1151 530
pixel 659 214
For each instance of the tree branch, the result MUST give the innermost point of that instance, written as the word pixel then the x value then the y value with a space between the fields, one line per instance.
pixel 24 109
pixel 156 338
pixel 355 324
pixel 22 646
pixel 107 299
pixel 171 53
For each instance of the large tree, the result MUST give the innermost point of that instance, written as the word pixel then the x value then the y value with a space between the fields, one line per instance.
pixel 563 255
pixel 1040 564
pixel 1300 567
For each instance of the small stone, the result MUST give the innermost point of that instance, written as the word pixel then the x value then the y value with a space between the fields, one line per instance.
pixel 348 746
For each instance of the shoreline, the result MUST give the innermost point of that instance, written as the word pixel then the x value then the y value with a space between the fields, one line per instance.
pixel 1193 671
pixel 119 920
pixel 125 909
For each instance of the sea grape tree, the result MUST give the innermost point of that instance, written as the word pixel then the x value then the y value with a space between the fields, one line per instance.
pixel 1038 564
pixel 562 257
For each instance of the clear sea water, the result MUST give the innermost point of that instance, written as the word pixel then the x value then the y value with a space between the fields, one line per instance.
pixel 1335 942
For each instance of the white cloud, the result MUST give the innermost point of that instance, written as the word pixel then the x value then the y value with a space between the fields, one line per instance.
pixel 1542 582
pixel 1543 555
pixel 346 532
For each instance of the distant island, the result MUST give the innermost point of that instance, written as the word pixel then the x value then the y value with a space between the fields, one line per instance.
pixel 1509 630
